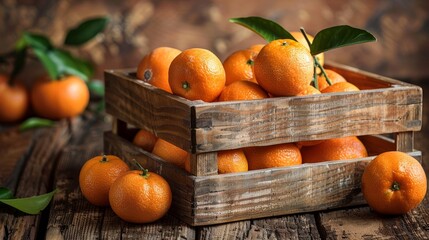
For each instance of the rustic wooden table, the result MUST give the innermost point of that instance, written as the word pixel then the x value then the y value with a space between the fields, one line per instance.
pixel 39 160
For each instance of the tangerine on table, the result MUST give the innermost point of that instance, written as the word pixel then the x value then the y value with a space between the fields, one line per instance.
pixel 242 90
pixel 140 196
pixel 334 149
pixel 284 67
pixel 97 175
pixel 231 161
pixel 145 139
pixel 394 183
pixel 239 66
pixel 153 68
pixel 333 76
pixel 197 74
pixel 280 155
pixel 169 152
pixel 14 100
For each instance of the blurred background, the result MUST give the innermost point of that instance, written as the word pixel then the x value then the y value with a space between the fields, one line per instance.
pixel 137 26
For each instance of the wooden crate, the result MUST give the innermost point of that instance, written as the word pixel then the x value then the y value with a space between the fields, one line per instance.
pixel 383 106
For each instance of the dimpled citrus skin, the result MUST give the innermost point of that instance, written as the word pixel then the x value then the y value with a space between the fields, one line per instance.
pixel 284 67
pixel 280 155
pixel 394 183
pixel 197 74
pixel 139 199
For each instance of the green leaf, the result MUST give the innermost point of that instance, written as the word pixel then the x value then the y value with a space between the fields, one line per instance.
pixel 339 36
pixel 30 205
pixel 47 62
pixel 267 29
pixel 96 87
pixel 5 193
pixel 86 31
pixel 66 64
pixel 35 122
pixel 37 41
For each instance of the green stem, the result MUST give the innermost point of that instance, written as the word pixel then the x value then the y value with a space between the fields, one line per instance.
pixel 315 82
pixel 145 172
pixel 323 70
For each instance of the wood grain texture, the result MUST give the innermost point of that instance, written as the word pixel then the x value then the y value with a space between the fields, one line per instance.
pixel 48 143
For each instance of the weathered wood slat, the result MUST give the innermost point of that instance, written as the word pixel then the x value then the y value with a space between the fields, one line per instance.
pixel 48 143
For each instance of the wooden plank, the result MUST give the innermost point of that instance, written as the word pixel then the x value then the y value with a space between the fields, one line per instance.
pixel 148 107
pixel 362 223
pixel 405 141
pixel 301 226
pixel 48 143
pixel 204 164
pixel 231 125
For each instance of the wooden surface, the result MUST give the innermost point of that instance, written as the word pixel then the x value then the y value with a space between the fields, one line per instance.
pixel 32 164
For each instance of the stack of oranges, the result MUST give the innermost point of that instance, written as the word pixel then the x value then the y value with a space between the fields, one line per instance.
pixel 282 67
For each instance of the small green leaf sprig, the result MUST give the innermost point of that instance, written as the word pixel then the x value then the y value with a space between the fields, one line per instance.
pixel 325 40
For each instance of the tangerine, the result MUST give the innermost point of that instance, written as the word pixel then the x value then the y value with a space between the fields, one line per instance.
pixel 242 90
pixel 97 175
pixel 140 196
pixel 153 68
pixel 394 183
pixel 145 139
pixel 239 66
pixel 197 74
pixel 280 155
pixel 284 67
pixel 231 161
pixel 169 152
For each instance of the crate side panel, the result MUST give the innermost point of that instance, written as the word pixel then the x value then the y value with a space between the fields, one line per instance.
pixel 232 125
pixel 181 183
pixel 145 106
pixel 279 191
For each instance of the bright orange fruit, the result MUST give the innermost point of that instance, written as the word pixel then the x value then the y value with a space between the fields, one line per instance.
pixel 280 155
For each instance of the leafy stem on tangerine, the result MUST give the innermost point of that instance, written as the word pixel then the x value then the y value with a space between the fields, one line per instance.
pixel 145 172
pixel 316 63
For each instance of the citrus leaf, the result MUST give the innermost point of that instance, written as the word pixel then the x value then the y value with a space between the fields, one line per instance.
pixel 265 28
pixel 5 193
pixel 19 62
pixel 66 64
pixel 339 36
pixel 47 63
pixel 86 31
pixel 30 205
pixel 96 87
pixel 37 41
pixel 35 123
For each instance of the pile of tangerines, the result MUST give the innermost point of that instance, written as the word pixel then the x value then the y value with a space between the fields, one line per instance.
pixel 280 68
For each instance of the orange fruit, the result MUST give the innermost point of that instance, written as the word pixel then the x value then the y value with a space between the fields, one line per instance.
pixel 284 67
pixel 334 149
pixel 242 90
pixel 256 47
pixel 239 66
pixel 14 101
pixel 394 183
pixel 97 175
pixel 333 76
pixel 63 98
pixel 153 68
pixel 145 139
pixel 308 90
pixel 187 164
pixel 169 152
pixel 300 38
pixel 197 74
pixel 341 87
pixel 231 161
pixel 140 196
pixel 280 155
